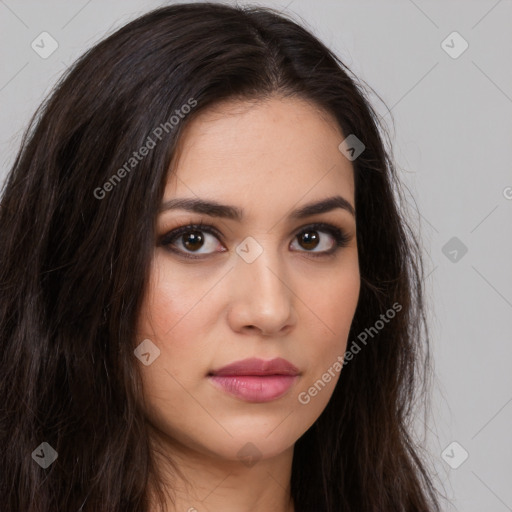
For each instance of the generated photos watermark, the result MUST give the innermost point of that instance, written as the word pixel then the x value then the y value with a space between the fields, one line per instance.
pixel 342 360
pixel 144 150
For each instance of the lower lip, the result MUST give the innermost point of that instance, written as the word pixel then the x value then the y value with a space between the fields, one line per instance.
pixel 252 388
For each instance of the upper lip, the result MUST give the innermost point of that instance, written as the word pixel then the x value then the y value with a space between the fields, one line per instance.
pixel 255 366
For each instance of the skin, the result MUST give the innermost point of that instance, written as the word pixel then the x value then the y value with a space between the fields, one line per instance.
pixel 268 158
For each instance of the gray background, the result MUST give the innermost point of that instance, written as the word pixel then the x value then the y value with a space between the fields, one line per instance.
pixel 452 142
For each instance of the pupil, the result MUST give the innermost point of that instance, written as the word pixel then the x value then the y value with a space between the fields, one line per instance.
pixel 193 240
pixel 309 239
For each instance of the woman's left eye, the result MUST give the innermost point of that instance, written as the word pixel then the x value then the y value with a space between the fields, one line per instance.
pixel 202 239
pixel 314 239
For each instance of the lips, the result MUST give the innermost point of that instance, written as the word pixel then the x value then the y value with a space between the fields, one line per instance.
pixel 254 366
pixel 256 380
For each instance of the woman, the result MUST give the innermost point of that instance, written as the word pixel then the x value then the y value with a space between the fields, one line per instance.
pixel 210 299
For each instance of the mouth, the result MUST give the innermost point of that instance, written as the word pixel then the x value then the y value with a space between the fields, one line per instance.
pixel 256 380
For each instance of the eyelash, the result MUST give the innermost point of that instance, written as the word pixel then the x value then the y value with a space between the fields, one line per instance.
pixel 341 238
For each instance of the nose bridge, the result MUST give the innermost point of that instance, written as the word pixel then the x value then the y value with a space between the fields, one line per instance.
pixel 263 267
pixel 263 293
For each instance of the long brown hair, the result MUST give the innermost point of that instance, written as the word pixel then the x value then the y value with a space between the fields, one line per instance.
pixel 75 255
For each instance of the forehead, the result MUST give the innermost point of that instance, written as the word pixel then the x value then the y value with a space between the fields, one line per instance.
pixel 280 149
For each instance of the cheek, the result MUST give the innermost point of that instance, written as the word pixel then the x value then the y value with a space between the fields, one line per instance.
pixel 169 318
pixel 172 302
pixel 164 302
pixel 334 304
pixel 334 300
pixel 339 300
pixel 176 320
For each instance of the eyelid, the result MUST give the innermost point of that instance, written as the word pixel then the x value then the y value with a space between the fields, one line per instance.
pixel 341 237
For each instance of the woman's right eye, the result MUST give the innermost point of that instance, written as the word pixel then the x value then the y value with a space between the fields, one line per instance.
pixel 192 240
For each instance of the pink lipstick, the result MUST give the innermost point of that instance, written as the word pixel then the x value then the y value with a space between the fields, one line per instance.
pixel 256 380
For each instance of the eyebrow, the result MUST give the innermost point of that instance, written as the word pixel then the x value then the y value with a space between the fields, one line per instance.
pixel 215 209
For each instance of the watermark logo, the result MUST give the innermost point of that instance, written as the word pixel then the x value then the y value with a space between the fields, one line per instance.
pixel 44 455
pixel 454 455
pixel 249 454
pixel 44 45
pixel 454 249
pixel 351 147
pixel 249 249
pixel 146 352
pixel 454 45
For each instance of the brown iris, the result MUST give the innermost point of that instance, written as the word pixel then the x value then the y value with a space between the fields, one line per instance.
pixel 193 240
pixel 309 239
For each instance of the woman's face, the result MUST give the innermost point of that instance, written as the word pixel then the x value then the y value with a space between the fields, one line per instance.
pixel 262 285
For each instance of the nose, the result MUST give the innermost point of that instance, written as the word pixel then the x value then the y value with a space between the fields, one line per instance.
pixel 263 297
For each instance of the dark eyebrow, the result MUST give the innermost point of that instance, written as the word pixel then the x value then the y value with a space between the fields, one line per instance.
pixel 214 209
